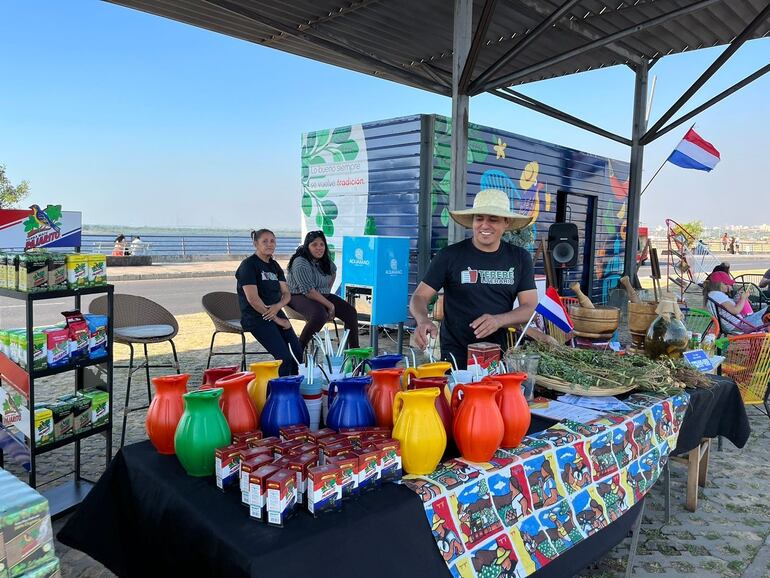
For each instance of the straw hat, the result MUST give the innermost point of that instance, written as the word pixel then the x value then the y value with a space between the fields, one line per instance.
pixel 502 555
pixel 437 522
pixel 491 202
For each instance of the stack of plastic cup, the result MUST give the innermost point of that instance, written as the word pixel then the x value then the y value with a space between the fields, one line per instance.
pixel 311 393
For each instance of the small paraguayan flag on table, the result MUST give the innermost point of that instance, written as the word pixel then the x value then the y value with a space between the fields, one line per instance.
pixel 694 153
pixel 551 307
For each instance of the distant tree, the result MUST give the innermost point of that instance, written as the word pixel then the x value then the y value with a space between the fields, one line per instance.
pixel 692 229
pixel 10 196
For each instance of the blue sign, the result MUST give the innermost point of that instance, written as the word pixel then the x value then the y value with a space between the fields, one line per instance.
pixel 698 359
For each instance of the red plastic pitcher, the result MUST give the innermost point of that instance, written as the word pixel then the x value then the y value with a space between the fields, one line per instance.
pixel 478 425
pixel 513 407
pixel 239 409
pixel 386 383
pixel 211 375
pixel 442 406
pixel 166 410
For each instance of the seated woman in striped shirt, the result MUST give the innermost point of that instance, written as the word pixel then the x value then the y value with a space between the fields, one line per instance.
pixel 311 274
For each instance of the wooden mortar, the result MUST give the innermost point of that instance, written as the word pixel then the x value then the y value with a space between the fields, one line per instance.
pixel 598 322
pixel 640 317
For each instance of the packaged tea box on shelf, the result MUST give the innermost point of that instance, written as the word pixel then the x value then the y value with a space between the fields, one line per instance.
pixel 50 569
pixel 97 335
pixel 26 537
pixel 100 406
pixel 97 270
pixel 57 271
pixel 33 272
pixel 77 329
pixel 5 342
pixel 3 272
pixel 63 419
pixel 77 270
pixel 40 352
pixel 57 346
pixel 81 411
pixel 43 424
pixel 12 274
pixel 14 345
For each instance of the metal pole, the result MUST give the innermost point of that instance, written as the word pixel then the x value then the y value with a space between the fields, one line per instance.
pixel 463 32
pixel 635 178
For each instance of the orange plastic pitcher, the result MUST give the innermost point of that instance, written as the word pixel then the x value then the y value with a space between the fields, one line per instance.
pixel 386 383
pixel 239 410
pixel 513 407
pixel 166 410
pixel 478 423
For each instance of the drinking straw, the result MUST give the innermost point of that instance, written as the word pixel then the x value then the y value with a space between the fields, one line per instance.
pixel 328 339
pixel 414 358
pixel 319 342
pixel 454 361
pixel 476 367
pixel 294 357
pixel 430 350
pixel 343 341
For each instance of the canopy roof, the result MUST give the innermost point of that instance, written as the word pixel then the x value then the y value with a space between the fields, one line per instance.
pixel 410 41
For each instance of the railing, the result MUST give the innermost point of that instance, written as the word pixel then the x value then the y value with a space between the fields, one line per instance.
pixel 189 245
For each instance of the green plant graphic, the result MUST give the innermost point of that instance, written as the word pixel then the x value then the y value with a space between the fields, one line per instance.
pixel 319 148
pixel 478 150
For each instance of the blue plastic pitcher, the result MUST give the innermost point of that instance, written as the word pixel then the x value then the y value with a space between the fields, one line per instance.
pixel 349 405
pixel 284 406
pixel 385 361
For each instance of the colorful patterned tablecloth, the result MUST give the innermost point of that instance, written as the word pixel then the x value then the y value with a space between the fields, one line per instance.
pixel 513 515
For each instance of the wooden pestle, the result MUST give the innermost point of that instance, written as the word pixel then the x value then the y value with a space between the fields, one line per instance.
pixel 582 299
pixel 633 296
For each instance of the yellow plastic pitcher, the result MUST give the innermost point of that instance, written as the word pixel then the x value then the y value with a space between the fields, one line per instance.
pixel 263 372
pixel 417 426
pixel 436 369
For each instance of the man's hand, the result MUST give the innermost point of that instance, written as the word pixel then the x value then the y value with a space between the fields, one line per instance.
pixel 485 325
pixel 271 312
pixel 423 331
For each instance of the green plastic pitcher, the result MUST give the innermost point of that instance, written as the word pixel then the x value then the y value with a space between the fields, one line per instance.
pixel 201 430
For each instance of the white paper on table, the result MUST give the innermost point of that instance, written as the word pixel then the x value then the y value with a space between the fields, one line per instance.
pixel 558 411
pixel 599 403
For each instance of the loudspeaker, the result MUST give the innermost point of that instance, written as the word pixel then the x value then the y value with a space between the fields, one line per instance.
pixel 563 244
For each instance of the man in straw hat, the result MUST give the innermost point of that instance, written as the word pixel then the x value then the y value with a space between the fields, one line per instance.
pixel 481 277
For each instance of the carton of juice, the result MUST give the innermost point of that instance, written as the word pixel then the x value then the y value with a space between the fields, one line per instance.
pixel 258 490
pixel 57 271
pixel 284 448
pixel 227 463
pixel 368 469
pixel 100 406
pixel 247 467
pixel 307 447
pixel 294 432
pixel 348 464
pixel 97 270
pixel 299 465
pixel 316 436
pixel 281 497
pixel 43 424
pixel 324 443
pixel 324 493
pixel 336 449
pixel 390 458
pixel 247 437
pixel 268 442
pixel 77 271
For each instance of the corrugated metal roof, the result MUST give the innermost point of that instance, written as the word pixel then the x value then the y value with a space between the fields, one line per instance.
pixel 410 41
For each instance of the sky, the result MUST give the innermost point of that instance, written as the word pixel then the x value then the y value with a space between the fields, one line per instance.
pixel 139 120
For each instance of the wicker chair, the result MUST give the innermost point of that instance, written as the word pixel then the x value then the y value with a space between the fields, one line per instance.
pixel 700 321
pixel 740 326
pixel 747 361
pixel 138 320
pixel 225 313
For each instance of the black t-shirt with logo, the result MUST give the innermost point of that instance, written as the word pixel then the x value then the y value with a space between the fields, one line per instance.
pixel 477 282
pixel 267 278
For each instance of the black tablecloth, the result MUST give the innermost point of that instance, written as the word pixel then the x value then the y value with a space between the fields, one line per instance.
pixel 718 411
pixel 146 517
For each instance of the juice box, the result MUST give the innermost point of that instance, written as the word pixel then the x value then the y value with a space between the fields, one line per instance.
pixel 323 443
pixel 97 270
pixel 43 424
pixel 307 447
pixel 227 463
pixel 368 469
pixel 57 271
pixel 63 419
pixel 486 354
pixel 348 480
pixel 247 437
pixel 268 442
pixel 258 490
pixel 299 465
pixel 324 493
pixel 294 432
pixel 81 411
pixel 281 497
pixel 247 467
pixel 57 347
pixel 284 448
pixel 77 270
pixel 390 459
pixel 335 449
pixel 316 436
pixel 100 406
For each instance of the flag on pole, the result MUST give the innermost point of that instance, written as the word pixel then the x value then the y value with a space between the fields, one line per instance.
pixel 551 307
pixel 694 153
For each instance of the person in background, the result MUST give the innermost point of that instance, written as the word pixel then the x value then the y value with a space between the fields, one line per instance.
pixel 725 242
pixel 137 245
pixel 731 247
pixel 121 246
pixel 764 283
pixel 262 294
pixel 737 245
pixel 715 290
pixel 311 274
pixel 481 277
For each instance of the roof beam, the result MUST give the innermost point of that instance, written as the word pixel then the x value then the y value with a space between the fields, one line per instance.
pixel 709 103
pixel 537 106
pixel 586 30
pixel 600 43
pixel 333 46
pixel 478 40
pixel 525 41
pixel 709 72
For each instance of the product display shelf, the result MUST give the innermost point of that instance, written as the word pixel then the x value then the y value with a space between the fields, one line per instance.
pixel 64 497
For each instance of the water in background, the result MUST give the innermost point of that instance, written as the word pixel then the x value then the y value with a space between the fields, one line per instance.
pixel 182 245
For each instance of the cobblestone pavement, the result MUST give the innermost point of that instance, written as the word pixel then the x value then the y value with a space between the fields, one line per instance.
pixel 728 536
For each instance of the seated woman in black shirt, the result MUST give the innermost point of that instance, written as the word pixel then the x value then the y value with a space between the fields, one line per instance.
pixel 262 294
pixel 311 277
